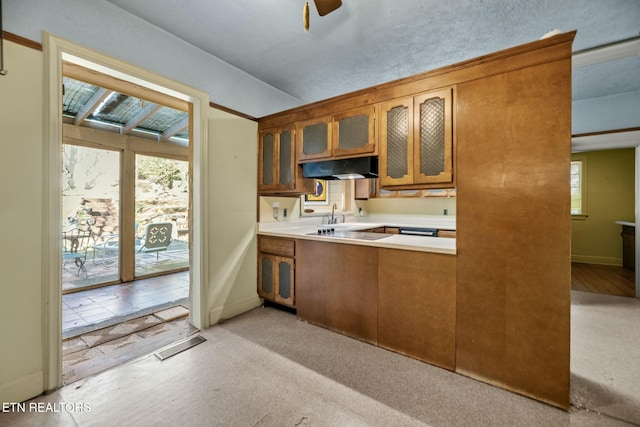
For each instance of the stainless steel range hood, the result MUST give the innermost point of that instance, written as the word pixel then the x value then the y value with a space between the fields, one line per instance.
pixel 358 168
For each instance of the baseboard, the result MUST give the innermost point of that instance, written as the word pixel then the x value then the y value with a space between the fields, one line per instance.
pixel 23 388
pixel 236 308
pixel 588 259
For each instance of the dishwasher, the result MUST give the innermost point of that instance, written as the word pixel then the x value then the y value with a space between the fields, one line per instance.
pixel 418 231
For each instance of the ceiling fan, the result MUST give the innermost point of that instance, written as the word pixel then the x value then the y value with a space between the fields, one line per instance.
pixel 324 7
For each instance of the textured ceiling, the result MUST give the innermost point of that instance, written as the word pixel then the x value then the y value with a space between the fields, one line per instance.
pixel 367 42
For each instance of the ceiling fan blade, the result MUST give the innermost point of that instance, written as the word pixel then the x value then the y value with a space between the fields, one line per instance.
pixel 327 6
pixel 305 16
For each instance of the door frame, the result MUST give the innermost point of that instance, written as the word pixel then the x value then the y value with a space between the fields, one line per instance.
pixel 55 50
pixel 614 140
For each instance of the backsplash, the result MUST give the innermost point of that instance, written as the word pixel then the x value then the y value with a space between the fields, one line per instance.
pixel 409 205
pixel 341 193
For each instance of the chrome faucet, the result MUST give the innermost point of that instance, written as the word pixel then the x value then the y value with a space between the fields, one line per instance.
pixel 332 218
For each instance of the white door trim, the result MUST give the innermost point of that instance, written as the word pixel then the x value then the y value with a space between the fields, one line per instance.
pixel 55 49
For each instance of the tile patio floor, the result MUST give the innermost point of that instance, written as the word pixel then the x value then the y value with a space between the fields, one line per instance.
pixel 97 308
pixel 103 269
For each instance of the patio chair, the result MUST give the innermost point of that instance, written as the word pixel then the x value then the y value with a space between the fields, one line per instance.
pixel 107 246
pixel 75 244
pixel 157 238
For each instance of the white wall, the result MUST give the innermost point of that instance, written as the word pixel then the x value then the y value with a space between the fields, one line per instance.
pixel 233 168
pixel 21 327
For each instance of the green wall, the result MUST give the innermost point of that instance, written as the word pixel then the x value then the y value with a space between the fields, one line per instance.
pixel 610 198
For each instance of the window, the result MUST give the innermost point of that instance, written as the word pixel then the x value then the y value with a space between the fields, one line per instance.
pixel 578 187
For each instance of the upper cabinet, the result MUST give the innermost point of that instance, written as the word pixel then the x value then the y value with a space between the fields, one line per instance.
pixel 354 132
pixel 314 139
pixel 416 140
pixel 278 171
pixel 347 134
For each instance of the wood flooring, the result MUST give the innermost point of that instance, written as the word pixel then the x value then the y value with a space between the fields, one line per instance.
pixel 602 279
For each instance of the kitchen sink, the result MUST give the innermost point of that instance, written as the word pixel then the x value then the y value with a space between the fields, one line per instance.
pixel 345 234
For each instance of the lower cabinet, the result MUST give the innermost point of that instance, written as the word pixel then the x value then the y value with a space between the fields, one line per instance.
pixel 629 247
pixel 401 300
pixel 417 305
pixel 276 270
pixel 337 287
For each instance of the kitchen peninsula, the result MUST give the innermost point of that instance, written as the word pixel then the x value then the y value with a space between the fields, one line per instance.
pixel 396 291
pixel 493 303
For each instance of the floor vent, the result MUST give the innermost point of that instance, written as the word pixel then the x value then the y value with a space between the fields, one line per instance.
pixel 179 347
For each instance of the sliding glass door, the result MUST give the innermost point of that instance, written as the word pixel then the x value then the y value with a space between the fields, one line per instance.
pixel 161 215
pixel 91 217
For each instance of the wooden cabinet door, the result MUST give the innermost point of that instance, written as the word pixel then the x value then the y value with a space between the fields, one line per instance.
pixel 365 188
pixel 337 287
pixel 396 142
pixel 276 279
pixel 276 160
pixel 433 138
pixel 354 132
pixel 314 139
pixel 417 305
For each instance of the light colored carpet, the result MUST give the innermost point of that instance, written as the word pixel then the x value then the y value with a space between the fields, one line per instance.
pixel 267 368
pixel 605 354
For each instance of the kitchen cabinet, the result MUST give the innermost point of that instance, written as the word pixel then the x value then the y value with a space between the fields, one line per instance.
pixel 451 234
pixel 365 188
pixel 354 132
pixel 417 305
pixel 338 287
pixel 401 300
pixel 629 247
pixel 314 139
pixel 346 134
pixel 416 140
pixel 278 171
pixel 276 270
pixel 513 281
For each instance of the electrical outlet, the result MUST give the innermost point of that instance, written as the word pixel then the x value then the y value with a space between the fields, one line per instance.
pixel 276 210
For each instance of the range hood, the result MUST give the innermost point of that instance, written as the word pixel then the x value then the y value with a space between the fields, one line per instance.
pixel 358 168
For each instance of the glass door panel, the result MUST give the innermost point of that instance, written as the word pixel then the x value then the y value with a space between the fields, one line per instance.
pixel 162 215
pixel 90 217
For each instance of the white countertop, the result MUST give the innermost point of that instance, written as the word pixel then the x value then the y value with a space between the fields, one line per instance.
pixel 630 224
pixel 307 229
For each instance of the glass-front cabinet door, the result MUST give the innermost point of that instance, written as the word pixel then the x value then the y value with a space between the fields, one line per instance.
pixel 354 132
pixel 314 139
pixel 416 140
pixel 267 160
pixel 286 290
pixel 276 279
pixel 433 133
pixel 276 163
pixel 396 142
